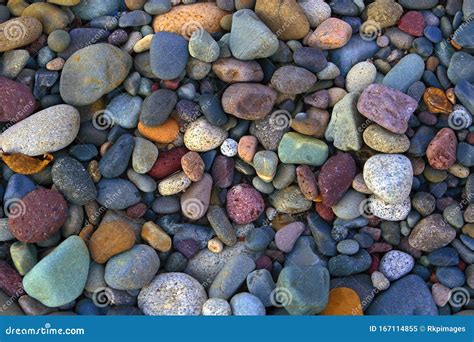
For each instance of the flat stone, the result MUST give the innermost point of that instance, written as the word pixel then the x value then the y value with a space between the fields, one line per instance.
pixel 291 79
pixel 231 70
pixel 294 148
pixel 406 72
pixel 168 55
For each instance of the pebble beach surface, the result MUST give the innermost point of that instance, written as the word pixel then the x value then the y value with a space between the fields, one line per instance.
pixel 236 157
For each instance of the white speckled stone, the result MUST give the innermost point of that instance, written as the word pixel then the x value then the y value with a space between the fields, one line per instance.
pixel 395 264
pixel 216 307
pixel 380 281
pixel 174 184
pixel 49 130
pixel 229 147
pixel 171 294
pixel 390 212
pixel 201 136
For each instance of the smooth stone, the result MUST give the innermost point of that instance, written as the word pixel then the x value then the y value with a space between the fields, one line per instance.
pixel 24 256
pixel 201 136
pixel 344 128
pixel 16 102
pixel 382 140
pixel 333 33
pixel 73 181
pixel 244 204
pixel 216 307
pixel 231 70
pixel 265 164
pixel 360 76
pixel 195 201
pixel 285 238
pixel 445 256
pixel 250 38
pixel 212 109
pixel 77 76
pixel 257 240
pixel 312 59
pixel 348 247
pixel 134 18
pixel 168 55
pixel 260 283
pixel 81 38
pixel 321 232
pixel 289 200
pixel 389 176
pixel 246 304
pixel 294 148
pixel 451 277
pixel 124 110
pixel 157 107
pixel 144 155
pixel 231 277
pixel 221 225
pixel 12 62
pixel 144 183
pixel 396 264
pixel 419 5
pixel 406 72
pixel 291 79
pixel 347 208
pixel 416 299
pixel 203 47
pixel 60 277
pixel 115 160
pixel 270 130
pixel 90 9
pixel 460 68
pixel 18 187
pixel 19 32
pixel 132 269
pixel 335 177
pixel 52 17
pixel 316 11
pixel 301 297
pixel 389 211
pixel 49 130
pixel 117 193
pixel 355 51
pixel 174 184
pixel 431 233
pixel 84 152
pixel 157 6
pixel 345 265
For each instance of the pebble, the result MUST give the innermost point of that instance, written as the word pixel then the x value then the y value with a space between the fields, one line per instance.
pixel 244 204
pixel 77 76
pixel 396 264
pixel 246 304
pixel 156 237
pixel 343 301
pixel 431 233
pixel 24 256
pixel 132 269
pixel 389 176
pixel 307 182
pixel 331 34
pixel 59 277
pixel 203 47
pixel 379 281
pixel 91 9
pixel 459 67
pixel 406 72
pixel 117 193
pixel 109 239
pixel 186 293
pixel 201 136
pixel 216 307
pixel 265 164
pixel 49 130
pixel 451 277
pixel 441 151
pixel 115 160
pixel 167 163
pixel 360 76
pixel 248 101
pixel 335 177
pixel 19 32
pixel 174 184
pixel 231 70
pixel 144 155
pixel 250 38
pixel 289 200
pixel 293 80
pixel 345 265
pixel 168 55
pixel 316 11
pixel 347 208
pixel 389 211
pixel 348 247
pixel 303 298
pixel 385 141
pixel 221 225
pixel 157 107
pixel 231 277
pixel 17 102
pixel 294 147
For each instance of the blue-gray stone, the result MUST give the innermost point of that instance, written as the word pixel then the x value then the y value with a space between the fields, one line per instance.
pixel 344 265
pixel 258 239
pixel 344 7
pixel 168 55
pixel 82 37
pixel 117 193
pixel 304 253
pixel 115 161
pixel 418 4
pixel 433 33
pixel 303 290
pixel 60 277
pixel 321 232
pixel 423 47
pixel 211 107
pixel 465 93
pixel 44 80
pixel 464 35
pixel 348 247
pixel 246 304
pixel 84 152
pixel 420 141
pixel 17 188
pixel 407 296
pixel 355 51
pixel 416 90
pixel 465 154
pixel 134 18
pixel 260 283
pixel 446 256
pixel 157 107
pixel 157 6
pixel 444 51
pixel 197 233
pixel 450 276
pixel 468 241
pixel 132 269
pixel 360 283
pixel 124 110
pixel 461 67
pixel 231 277
pixel 465 253
pixel 106 22
pixel 73 181
pixel 90 9
pixel 406 72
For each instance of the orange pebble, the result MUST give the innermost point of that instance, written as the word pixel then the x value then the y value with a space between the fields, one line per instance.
pixel 343 301
pixel 162 134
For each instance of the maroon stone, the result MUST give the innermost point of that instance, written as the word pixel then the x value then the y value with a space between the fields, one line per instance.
pixel 264 262
pixel 380 247
pixel 10 280
pixel 38 215
pixel 375 233
pixel 412 23
pixel 387 107
pixel 307 182
pixel 319 99
pixel 137 210
pixel 16 101
pixel 223 171
pixel 187 247
pixel 441 151
pixel 244 204
pixel 374 266
pixel 336 177
pixel 324 211
pixel 168 163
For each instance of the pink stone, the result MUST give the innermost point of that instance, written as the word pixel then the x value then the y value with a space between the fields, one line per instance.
pixel 336 177
pixel 286 237
pixel 412 23
pixel 244 204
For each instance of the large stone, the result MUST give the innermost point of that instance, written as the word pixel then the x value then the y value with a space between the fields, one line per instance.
pixel 431 233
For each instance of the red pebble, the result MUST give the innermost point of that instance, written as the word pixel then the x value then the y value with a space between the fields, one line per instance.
pixel 380 247
pixel 462 265
pixel 324 211
pixel 412 23
pixel 171 84
pixel 374 221
pixel 374 266
pixel 10 280
pixel 244 204
pixel 470 138
pixel 264 262
pixel 137 210
pixel 168 162
pixel 155 87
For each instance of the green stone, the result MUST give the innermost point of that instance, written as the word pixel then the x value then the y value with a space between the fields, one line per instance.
pixel 24 256
pixel 290 200
pixel 265 163
pixel 297 148
pixel 60 277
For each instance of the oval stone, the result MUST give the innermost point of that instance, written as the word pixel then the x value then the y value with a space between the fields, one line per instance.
pixel 18 32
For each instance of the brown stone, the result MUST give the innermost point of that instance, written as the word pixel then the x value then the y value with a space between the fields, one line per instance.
pixel 336 177
pixel 384 12
pixel 193 166
pixel 10 281
pixel 284 17
pixel 441 151
pixel 52 17
pixel 231 70
pixel 135 4
pixel 185 19
pixel 168 162
pixel 248 101
pixel 307 182
pixel 331 34
pixel 18 32
pixel 109 239
pixel 156 237
pixel 436 101
pixel 247 148
pixel 431 233
pixel 314 123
